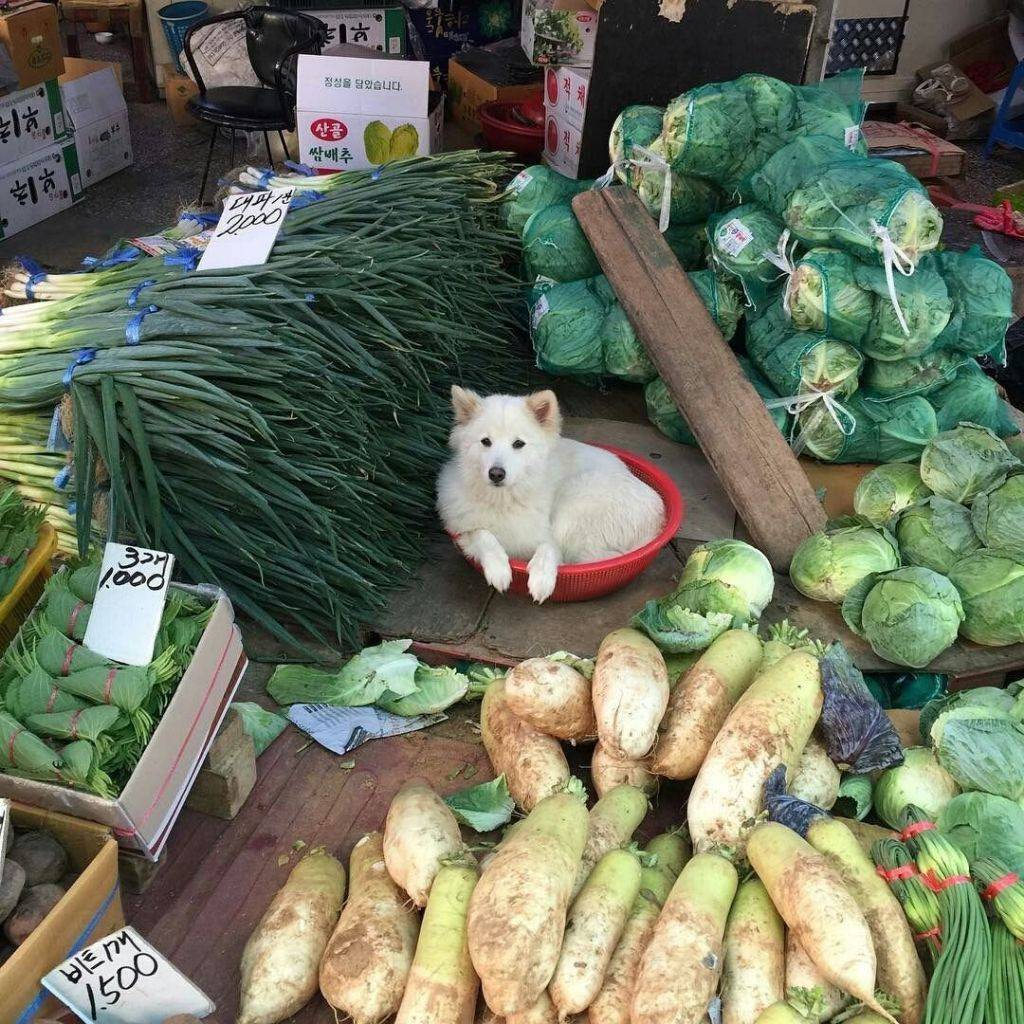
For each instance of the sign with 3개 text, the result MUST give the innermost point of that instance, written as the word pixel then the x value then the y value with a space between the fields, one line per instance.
pixel 122 979
pixel 129 603
pixel 247 229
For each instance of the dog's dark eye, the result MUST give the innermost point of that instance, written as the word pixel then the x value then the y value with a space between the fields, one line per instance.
pixel 485 441
pixel 518 444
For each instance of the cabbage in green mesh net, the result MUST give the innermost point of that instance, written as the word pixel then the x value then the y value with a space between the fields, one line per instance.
pixel 722 299
pixel 689 243
pixel 972 396
pixel 833 108
pixel 982 302
pixel 925 305
pixel 555 246
pixel 624 354
pixel 921 375
pixel 799 362
pixel 534 189
pixel 637 125
pixel 831 197
pixel 883 432
pixel 692 199
pixel 823 296
pixel 565 326
pixel 662 411
pixel 737 242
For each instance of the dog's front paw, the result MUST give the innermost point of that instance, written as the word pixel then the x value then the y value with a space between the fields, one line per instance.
pixel 543 575
pixel 498 573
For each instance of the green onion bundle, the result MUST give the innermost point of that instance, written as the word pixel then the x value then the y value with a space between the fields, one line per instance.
pixel 278 427
pixel 19 529
pixel 1005 1003
pixel 1004 890
pixel 920 905
pixel 959 985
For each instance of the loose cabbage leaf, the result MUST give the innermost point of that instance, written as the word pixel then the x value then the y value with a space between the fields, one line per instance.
pixel 854 800
pixel 484 807
pixel 678 630
pixel 436 690
pixel 262 725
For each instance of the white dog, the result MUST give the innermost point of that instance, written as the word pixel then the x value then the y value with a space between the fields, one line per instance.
pixel 516 488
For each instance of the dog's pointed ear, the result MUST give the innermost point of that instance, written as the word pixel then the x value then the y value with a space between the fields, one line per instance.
pixel 465 403
pixel 544 406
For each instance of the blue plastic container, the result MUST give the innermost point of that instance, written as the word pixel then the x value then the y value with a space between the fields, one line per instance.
pixel 177 19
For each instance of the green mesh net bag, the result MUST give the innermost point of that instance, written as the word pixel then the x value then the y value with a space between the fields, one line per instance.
pixel 911 328
pixel 737 243
pixel 555 246
pixel 874 432
pixel 800 364
pixel 566 324
pixel 722 299
pixel 982 296
pixel 663 413
pixel 972 396
pixel 625 357
pixel 533 189
pixel 832 108
pixel 823 296
pixel 873 209
pixel 921 375
pixel 690 199
pixel 637 125
pixel 689 243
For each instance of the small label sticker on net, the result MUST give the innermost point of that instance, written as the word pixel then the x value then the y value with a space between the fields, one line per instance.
pixel 852 136
pixel 519 182
pixel 539 312
pixel 735 237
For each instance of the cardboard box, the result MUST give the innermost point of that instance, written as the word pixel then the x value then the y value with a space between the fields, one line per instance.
pixel 178 90
pixel 559 32
pixel 566 91
pixel 562 145
pixel 76 67
pixel 30 120
pixel 374 28
pixel 974 104
pixel 923 153
pixel 488 74
pixel 36 187
pixel 348 110
pixel 31 37
pixel 95 106
pixel 985 55
pixel 89 910
pixel 143 815
pixel 439 30
pixel 944 126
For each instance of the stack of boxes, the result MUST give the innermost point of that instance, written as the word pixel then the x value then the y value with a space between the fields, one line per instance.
pixel 561 34
pixel 63 123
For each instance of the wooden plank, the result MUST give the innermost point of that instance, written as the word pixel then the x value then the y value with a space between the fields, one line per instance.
pixel 760 474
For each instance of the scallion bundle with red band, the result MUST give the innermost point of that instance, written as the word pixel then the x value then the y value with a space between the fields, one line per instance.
pixel 1003 889
pixel 993 889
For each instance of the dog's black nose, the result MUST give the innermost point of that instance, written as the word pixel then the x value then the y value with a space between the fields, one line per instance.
pixel 496 474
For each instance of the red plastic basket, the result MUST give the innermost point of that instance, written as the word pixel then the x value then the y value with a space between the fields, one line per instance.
pixel 587 580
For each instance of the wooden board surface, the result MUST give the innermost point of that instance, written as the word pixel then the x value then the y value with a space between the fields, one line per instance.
pixel 751 459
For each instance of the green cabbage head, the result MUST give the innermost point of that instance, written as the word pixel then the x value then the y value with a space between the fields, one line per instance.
pixel 727 576
pixel 909 616
pixel 991 585
pixel 828 564
pixel 936 533
pixel 920 780
pixel 961 463
pixel 998 515
pixel 886 491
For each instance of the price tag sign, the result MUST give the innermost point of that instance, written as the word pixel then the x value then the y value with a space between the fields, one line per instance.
pixel 247 229
pixel 122 979
pixel 129 603
pixel 5 830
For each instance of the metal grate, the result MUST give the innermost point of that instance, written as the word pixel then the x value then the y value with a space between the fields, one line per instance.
pixel 873 44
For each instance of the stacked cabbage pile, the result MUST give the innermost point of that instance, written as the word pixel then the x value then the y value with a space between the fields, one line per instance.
pixel 936 550
pixel 861 337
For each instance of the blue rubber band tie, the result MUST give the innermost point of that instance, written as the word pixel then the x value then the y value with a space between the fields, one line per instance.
pixel 303 198
pixel 209 219
pixel 126 255
pixel 60 481
pixel 377 172
pixel 264 179
pixel 82 356
pixel 133 295
pixel 304 169
pixel 35 272
pixel 132 332
pixel 72 508
pixel 310 299
pixel 187 256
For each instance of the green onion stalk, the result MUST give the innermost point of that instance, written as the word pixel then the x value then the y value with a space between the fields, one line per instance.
pixel 958 990
pixel 1003 889
pixel 920 904
pixel 278 428
pixel 1005 1001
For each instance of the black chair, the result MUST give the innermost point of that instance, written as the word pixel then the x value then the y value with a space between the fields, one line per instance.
pixel 274 39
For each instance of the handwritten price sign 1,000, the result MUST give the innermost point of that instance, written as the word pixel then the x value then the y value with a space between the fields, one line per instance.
pixel 130 571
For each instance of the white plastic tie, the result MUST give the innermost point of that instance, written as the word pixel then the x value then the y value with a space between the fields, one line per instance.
pixel 608 177
pixel 651 161
pixel 783 259
pixel 795 405
pixel 893 258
